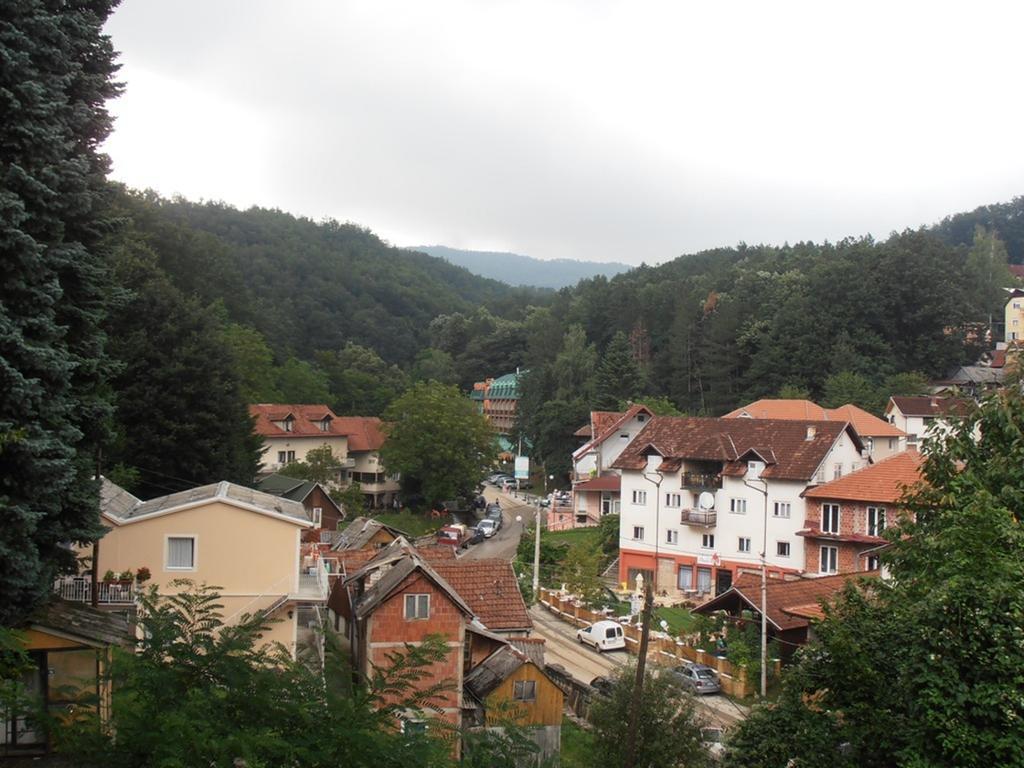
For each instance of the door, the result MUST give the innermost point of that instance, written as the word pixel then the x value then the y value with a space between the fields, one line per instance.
pixel 20 732
pixel 723 581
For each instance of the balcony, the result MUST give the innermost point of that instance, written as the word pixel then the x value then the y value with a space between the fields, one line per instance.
pixel 313 582
pixel 701 518
pixel 78 589
pixel 702 480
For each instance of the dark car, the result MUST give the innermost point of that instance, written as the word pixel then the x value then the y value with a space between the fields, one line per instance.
pixel 475 537
pixel 697 678
pixel 603 686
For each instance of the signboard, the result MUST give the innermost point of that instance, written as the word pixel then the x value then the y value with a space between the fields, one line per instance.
pixel 522 468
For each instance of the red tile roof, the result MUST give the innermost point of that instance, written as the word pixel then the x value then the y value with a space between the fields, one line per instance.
pixel 998 357
pixel 490 589
pixel 932 406
pixel 365 433
pixel 608 424
pixel 787 602
pixel 603 483
pixel 792 450
pixel 866 424
pixel 306 420
pixel 881 482
pixel 599 420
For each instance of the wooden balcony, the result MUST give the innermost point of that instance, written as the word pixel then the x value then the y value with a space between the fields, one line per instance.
pixel 702 480
pixel 700 518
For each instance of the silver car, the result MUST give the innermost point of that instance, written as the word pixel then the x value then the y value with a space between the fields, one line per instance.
pixel 697 678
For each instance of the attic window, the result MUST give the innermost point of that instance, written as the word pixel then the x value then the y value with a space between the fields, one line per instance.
pixel 417 606
pixel 286 425
pixel 525 690
pixel 325 424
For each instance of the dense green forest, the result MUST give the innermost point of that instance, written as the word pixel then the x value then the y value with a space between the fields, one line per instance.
pixel 308 311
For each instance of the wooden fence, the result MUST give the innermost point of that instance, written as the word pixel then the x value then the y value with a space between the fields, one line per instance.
pixel 663 649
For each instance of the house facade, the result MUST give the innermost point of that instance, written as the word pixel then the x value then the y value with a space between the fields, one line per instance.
pixel 366 436
pixel 246 542
pixel 702 497
pixel 1014 315
pixel 321 509
pixel 290 432
pixel 881 439
pixel 845 518
pixel 596 485
pixel 923 417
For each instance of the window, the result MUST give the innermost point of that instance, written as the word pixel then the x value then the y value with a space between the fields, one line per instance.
pixel 624 436
pixel 782 509
pixel 837 471
pixel 417 606
pixel 285 457
pixel 892 443
pixel 911 438
pixel 181 553
pixel 673 500
pixel 672 536
pixel 738 506
pixel 871 563
pixel 638 533
pixel 744 544
pixel 707 541
pixel 830 518
pixel 414 727
pixel 639 497
pixel 704 580
pixel 318 515
pixel 869 443
pixel 876 521
pixel 782 548
pixel 829 560
pixel 685 578
pixel 325 424
pixel 288 424
pixel 754 469
pixel 525 690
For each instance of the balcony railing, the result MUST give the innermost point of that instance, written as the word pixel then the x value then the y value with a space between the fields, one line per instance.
pixel 705 518
pixel 313 582
pixel 79 590
pixel 702 480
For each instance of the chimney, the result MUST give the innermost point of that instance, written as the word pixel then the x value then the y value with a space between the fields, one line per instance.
pixel 811 432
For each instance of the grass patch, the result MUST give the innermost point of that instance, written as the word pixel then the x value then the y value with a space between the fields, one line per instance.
pixel 409 522
pixel 577 746
pixel 587 536
pixel 680 620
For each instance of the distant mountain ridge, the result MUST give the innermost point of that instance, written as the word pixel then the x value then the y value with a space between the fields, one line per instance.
pixel 515 269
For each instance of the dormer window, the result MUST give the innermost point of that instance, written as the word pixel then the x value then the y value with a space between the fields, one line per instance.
pixel 325 424
pixel 754 469
pixel 286 425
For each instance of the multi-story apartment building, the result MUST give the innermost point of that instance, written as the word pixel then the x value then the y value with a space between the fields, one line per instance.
pixel 497 399
pixel 845 518
pixel 702 498
pixel 880 438
pixel 1014 315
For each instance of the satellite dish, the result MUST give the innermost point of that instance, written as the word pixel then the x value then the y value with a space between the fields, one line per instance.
pixel 706 500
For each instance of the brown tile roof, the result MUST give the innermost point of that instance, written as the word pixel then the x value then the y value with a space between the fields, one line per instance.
pixel 490 589
pixel 998 358
pixel 305 419
pixel 603 483
pixel 881 482
pixel 932 406
pixel 786 602
pixel 866 424
pixel 365 433
pixel 608 426
pixel 792 450
pixel 599 421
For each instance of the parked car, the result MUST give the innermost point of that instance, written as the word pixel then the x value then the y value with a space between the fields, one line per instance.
pixel 497 477
pixel 475 537
pixel 697 678
pixel 712 738
pixel 487 527
pixel 603 636
pixel 494 513
pixel 603 686
pixel 453 535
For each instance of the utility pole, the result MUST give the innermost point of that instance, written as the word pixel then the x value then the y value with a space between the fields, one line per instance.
pixel 536 555
pixel 763 490
pixel 638 684
pixel 94 588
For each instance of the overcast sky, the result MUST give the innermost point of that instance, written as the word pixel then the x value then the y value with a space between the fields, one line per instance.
pixel 623 131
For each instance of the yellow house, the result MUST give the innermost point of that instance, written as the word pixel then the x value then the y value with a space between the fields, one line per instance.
pixel 69 647
pixel 1014 315
pixel 246 543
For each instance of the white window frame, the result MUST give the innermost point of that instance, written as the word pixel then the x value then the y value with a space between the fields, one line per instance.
pixel 318 516
pixel 524 690
pixel 837 470
pixel 640 498
pixel 673 500
pixel 743 545
pixel 638 533
pixel 872 560
pixel 828 560
pixel 707 541
pixel 671 536
pixel 167 551
pixel 420 604
pixel 879 518
pixel 778 507
pixel 778 548
pixel 826 510
pixel 737 506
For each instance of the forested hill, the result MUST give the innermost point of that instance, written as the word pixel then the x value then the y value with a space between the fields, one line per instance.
pixel 1005 219
pixel 308 286
pixel 515 269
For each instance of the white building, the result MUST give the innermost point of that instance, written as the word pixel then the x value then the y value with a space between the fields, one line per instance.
pixel 920 417
pixel 702 498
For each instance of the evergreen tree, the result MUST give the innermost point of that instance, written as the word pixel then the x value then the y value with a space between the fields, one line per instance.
pixel 181 417
pixel 618 377
pixel 54 82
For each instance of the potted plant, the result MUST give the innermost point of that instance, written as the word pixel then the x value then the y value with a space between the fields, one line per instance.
pixel 142 575
pixel 109 575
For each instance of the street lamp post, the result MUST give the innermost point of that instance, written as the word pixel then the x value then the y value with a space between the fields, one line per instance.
pixel 657 519
pixel 536 555
pixel 764 585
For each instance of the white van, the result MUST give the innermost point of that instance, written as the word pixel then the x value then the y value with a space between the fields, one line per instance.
pixel 603 635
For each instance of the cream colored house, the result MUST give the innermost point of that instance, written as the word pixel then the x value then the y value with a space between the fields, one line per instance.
pixel 290 432
pixel 245 542
pixel 1014 315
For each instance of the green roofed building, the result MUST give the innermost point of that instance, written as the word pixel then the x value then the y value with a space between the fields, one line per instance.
pixel 496 399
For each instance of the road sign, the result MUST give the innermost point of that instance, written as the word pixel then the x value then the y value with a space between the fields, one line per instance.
pixel 522 468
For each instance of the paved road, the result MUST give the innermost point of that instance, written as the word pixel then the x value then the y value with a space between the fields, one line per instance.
pixel 584 663
pixel 504 543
